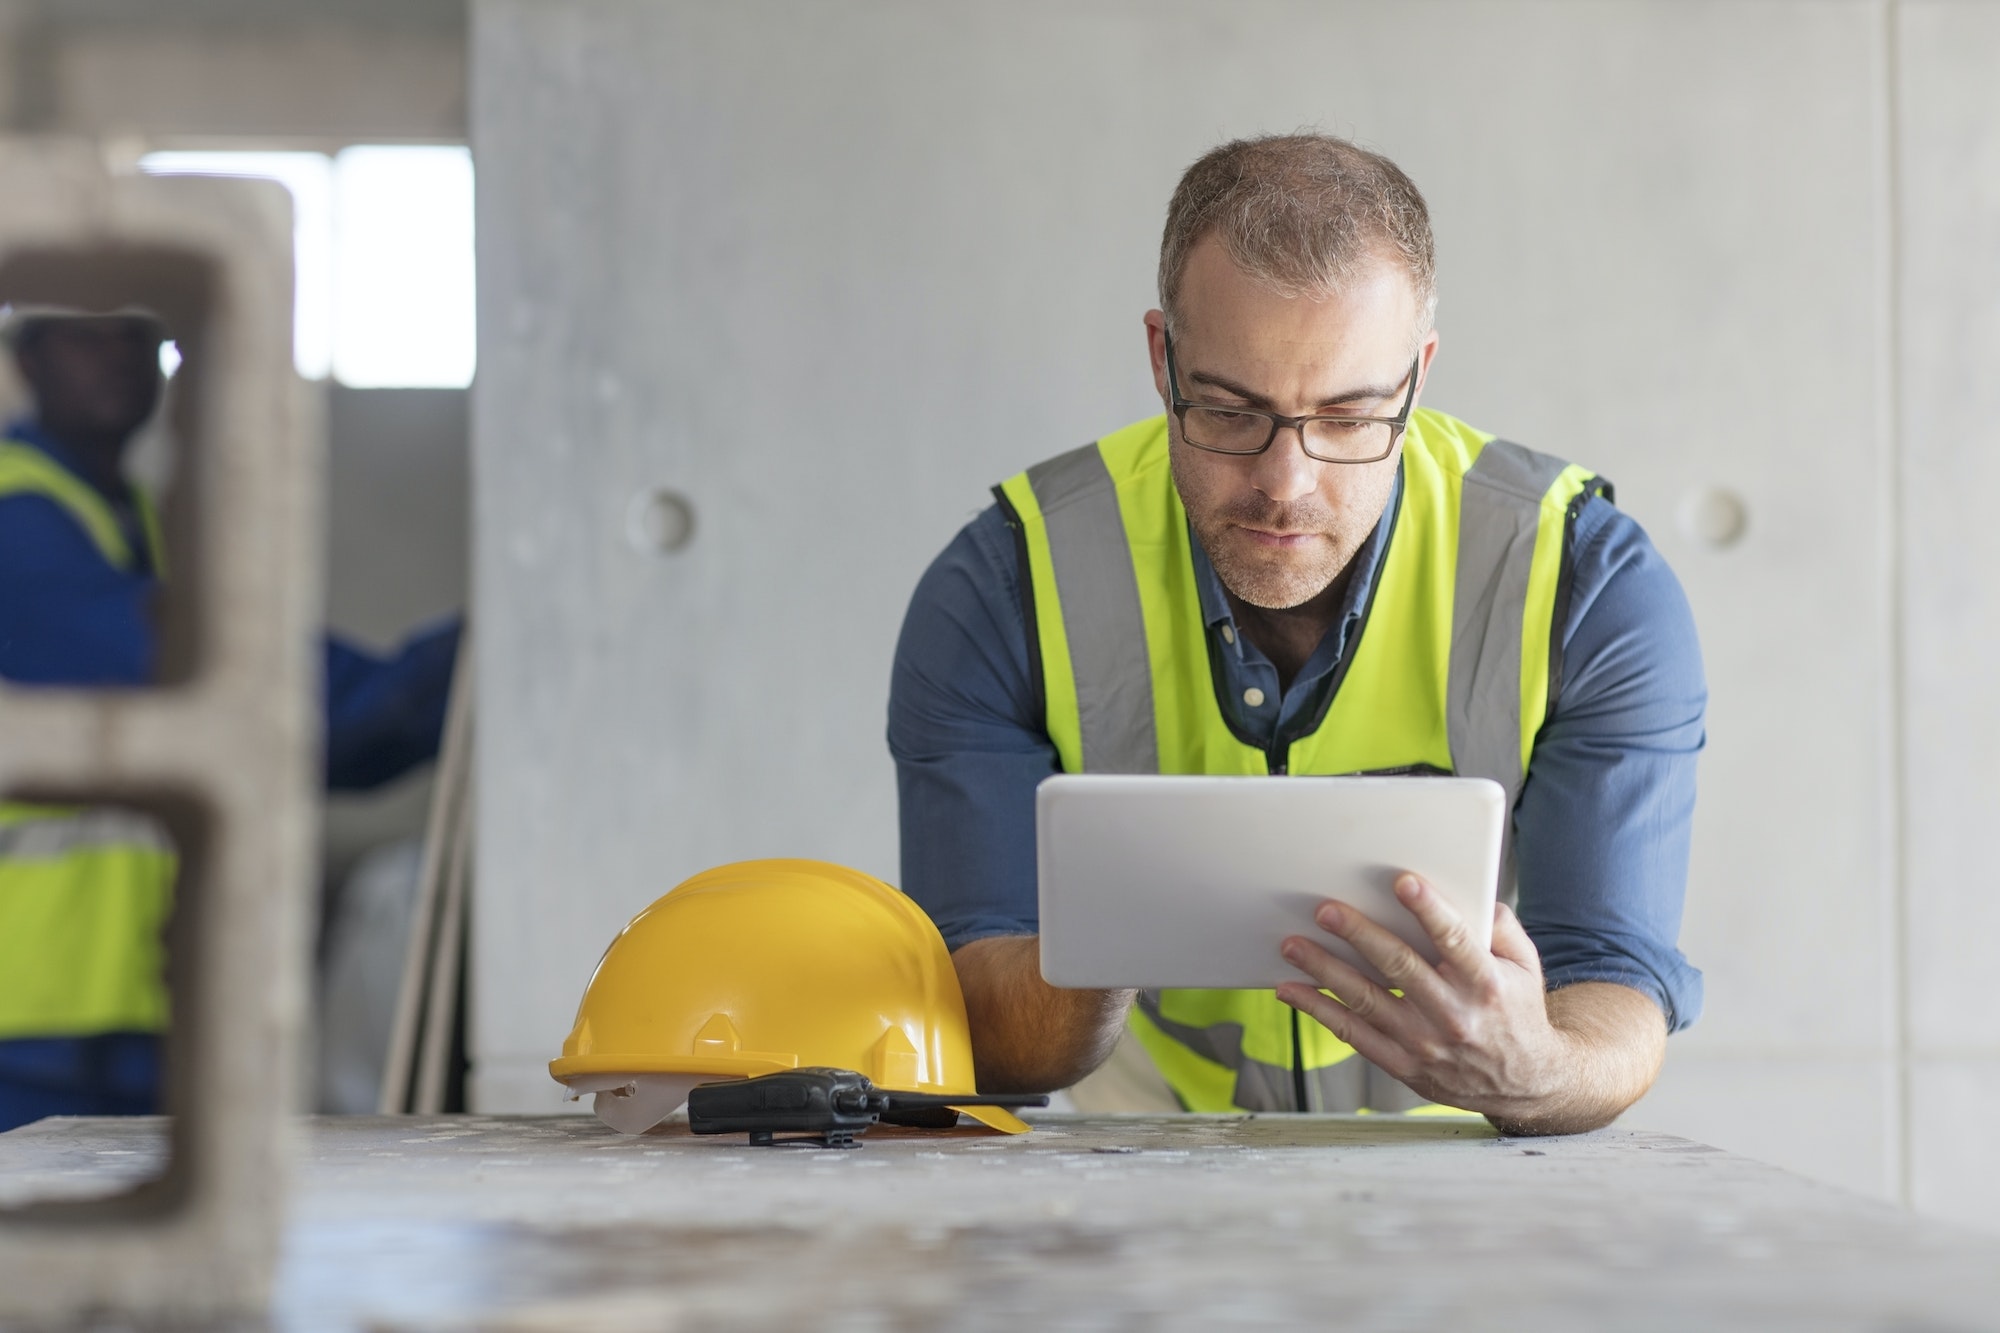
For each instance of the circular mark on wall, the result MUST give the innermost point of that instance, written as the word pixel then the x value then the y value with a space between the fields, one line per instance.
pixel 660 521
pixel 1714 517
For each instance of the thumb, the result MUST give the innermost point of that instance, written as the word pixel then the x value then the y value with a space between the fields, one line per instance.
pixel 1511 942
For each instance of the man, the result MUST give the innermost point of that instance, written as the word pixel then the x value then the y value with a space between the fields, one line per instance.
pixel 85 892
pixel 80 558
pixel 1296 569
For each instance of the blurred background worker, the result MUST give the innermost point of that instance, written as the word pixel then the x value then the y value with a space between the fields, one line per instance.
pixel 85 893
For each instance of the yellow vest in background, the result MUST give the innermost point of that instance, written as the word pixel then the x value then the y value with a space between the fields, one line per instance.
pixel 84 893
pixel 25 470
pixel 84 901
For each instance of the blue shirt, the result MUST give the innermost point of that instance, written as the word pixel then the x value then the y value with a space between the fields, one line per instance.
pixel 1601 830
pixel 70 617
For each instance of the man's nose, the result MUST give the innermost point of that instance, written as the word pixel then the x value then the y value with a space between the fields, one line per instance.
pixel 1284 472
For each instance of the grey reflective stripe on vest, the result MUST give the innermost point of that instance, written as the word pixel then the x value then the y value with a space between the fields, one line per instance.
pixel 1352 1085
pixel 1101 616
pixel 60 833
pixel 1498 518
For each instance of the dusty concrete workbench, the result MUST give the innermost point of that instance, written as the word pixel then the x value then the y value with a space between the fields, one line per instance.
pixel 1088 1223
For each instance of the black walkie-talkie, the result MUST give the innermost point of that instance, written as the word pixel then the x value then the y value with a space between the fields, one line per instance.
pixel 824 1107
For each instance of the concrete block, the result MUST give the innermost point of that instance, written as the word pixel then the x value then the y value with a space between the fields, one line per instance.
pixel 235 742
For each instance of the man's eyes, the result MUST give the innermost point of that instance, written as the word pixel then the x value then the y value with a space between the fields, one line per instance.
pixel 1233 416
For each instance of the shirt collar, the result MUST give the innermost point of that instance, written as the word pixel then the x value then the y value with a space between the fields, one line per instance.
pixel 1367 564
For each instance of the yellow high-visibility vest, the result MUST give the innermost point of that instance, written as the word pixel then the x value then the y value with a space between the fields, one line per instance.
pixel 1452 670
pixel 25 470
pixel 84 893
pixel 84 900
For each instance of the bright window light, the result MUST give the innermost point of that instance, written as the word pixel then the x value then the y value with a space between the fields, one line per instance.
pixel 403 286
pixel 383 239
pixel 309 176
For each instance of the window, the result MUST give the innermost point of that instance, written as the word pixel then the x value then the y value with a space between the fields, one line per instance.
pixel 382 242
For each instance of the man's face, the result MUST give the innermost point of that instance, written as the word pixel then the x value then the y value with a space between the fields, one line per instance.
pixel 1279 526
pixel 93 378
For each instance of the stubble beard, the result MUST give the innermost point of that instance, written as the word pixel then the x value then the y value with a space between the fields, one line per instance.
pixel 1271 579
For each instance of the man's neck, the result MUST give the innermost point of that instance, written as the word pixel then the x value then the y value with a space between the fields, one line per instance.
pixel 1289 636
pixel 99 459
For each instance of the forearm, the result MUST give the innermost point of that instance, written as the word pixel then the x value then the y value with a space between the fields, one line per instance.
pixel 1029 1036
pixel 1610 1041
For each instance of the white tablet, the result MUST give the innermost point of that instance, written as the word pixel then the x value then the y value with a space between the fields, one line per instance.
pixel 1194 881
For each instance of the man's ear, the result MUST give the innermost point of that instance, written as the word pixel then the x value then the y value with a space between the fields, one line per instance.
pixel 1156 348
pixel 1426 357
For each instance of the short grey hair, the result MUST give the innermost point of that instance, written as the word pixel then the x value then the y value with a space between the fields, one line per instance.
pixel 1303 214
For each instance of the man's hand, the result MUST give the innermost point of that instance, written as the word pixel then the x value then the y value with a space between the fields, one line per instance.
pixel 1029 1036
pixel 1477 1030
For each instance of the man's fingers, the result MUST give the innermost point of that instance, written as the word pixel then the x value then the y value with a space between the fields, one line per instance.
pixel 1373 1044
pixel 1446 928
pixel 1511 942
pixel 1356 993
pixel 1403 967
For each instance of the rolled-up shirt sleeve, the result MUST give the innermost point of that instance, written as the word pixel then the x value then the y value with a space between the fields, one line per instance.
pixel 966 733
pixel 1603 826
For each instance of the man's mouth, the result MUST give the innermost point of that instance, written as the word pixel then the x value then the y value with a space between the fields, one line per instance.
pixel 1277 541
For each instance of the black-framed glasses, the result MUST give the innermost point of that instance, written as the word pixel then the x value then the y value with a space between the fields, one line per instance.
pixel 1329 439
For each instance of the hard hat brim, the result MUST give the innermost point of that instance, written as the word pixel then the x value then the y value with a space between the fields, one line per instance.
pixel 996 1117
pixel 16 319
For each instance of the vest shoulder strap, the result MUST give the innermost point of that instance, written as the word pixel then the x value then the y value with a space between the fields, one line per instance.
pixel 1499 527
pixel 1075 500
pixel 1514 512
pixel 26 471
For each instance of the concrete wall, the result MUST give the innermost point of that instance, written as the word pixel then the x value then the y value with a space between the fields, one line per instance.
pixel 1947 216
pixel 301 71
pixel 830 271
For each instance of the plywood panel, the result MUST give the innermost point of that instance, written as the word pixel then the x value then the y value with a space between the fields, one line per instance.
pixel 832 270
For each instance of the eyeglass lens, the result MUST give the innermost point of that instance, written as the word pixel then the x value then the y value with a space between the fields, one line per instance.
pixel 1330 439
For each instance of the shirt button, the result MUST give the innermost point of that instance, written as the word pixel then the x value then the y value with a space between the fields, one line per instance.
pixel 1254 697
pixel 1228 634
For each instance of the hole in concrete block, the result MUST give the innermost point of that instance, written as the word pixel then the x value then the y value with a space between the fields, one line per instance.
pixel 98 1011
pixel 101 360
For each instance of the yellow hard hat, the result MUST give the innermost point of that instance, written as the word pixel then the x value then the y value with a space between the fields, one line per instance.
pixel 759 966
